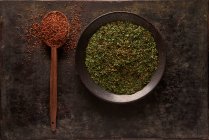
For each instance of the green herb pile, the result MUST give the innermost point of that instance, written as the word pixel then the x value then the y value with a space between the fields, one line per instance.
pixel 121 57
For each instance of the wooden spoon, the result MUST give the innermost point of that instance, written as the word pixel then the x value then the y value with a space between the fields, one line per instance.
pixel 54 32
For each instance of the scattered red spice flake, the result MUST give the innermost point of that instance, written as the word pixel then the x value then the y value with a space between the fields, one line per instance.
pixel 35 27
pixel 32 37
pixel 74 33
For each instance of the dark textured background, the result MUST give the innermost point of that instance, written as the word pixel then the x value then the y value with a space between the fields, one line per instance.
pixel 177 108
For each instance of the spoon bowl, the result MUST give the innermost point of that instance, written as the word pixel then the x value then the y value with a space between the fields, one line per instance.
pixel 59 31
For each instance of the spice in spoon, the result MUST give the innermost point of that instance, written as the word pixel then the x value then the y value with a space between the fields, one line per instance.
pixel 54 29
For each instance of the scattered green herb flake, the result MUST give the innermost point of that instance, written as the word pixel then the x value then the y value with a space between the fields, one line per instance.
pixel 121 57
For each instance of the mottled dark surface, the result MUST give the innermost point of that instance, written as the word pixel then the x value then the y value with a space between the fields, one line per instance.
pixel 177 108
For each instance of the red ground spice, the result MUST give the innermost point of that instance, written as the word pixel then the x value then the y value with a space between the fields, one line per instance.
pixel 32 33
pixel 54 29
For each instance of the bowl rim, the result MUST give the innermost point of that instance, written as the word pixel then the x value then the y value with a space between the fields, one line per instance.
pixel 82 71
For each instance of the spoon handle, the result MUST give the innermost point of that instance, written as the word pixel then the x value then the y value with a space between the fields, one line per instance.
pixel 53 88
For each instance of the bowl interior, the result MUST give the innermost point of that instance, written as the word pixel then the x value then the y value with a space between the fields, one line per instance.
pixel 81 54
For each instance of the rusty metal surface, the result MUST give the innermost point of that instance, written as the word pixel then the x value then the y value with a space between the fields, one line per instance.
pixel 177 108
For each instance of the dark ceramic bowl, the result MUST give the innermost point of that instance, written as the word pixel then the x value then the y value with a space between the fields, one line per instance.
pixel 81 54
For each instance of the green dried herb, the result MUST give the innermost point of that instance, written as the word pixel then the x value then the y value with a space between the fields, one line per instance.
pixel 121 57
